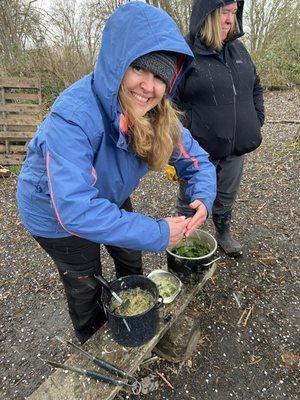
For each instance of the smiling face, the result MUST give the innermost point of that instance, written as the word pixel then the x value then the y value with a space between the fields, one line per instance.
pixel 227 18
pixel 145 89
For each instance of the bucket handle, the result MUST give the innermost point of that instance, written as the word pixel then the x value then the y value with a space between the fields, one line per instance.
pixel 159 302
pixel 211 262
pixel 126 324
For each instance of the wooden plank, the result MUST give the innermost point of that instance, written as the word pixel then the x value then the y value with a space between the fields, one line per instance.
pixel 22 97
pixel 16 82
pixel 11 159
pixel 20 128
pixel 4 128
pixel 60 386
pixel 13 149
pixel 24 108
pixel 16 135
pixel 22 120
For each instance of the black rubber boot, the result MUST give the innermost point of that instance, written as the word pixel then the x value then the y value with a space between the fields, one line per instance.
pixel 222 224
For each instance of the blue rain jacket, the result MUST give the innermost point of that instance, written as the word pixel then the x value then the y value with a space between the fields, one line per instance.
pixel 79 169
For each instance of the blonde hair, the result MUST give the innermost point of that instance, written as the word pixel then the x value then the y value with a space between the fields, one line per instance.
pixel 154 135
pixel 210 32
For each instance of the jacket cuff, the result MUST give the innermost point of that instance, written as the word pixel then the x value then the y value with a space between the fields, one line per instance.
pixel 165 234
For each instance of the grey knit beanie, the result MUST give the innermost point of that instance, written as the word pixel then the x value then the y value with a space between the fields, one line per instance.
pixel 160 63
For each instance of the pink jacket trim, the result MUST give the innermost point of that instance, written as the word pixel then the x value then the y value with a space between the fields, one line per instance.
pixel 94 173
pixel 52 197
pixel 187 156
pixel 179 67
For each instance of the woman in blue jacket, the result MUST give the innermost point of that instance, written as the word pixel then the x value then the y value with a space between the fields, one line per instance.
pixel 101 137
pixel 222 100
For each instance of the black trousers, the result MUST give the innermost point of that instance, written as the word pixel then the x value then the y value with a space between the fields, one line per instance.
pixel 229 175
pixel 77 261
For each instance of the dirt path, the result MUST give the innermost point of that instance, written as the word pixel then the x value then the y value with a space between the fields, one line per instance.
pixel 256 359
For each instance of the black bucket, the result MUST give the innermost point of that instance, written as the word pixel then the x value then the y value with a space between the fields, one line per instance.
pixel 138 329
pixel 190 270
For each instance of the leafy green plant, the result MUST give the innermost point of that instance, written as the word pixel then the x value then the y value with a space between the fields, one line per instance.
pixel 15 169
pixel 192 250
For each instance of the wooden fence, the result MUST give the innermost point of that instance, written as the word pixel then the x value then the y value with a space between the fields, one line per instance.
pixel 20 108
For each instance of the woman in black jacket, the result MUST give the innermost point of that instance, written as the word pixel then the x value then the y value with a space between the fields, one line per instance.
pixel 222 100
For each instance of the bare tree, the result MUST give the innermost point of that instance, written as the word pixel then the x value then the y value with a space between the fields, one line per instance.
pixel 62 44
pixel 179 10
pixel 268 20
pixel 18 23
pixel 71 40
pixel 107 7
pixel 273 40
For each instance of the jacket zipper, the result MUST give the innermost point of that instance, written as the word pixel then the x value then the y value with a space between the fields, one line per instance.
pixel 234 102
pixel 234 108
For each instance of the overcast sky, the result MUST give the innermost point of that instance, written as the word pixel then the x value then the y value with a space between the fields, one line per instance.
pixel 43 3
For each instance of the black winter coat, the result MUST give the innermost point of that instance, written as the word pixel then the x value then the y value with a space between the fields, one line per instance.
pixel 222 102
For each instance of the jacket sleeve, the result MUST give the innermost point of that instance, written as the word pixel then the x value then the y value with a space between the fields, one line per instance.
pixel 258 98
pixel 192 165
pixel 78 208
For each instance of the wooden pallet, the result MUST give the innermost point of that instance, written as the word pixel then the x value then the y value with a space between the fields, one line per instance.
pixel 20 109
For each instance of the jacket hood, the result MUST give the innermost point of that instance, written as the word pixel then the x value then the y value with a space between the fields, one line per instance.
pixel 202 8
pixel 133 30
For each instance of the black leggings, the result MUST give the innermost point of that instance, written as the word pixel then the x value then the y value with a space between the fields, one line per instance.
pixel 77 260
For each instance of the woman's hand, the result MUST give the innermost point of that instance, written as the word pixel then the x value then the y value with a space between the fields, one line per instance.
pixel 177 226
pixel 198 219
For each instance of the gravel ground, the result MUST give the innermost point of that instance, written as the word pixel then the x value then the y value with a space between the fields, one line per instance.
pixel 253 357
